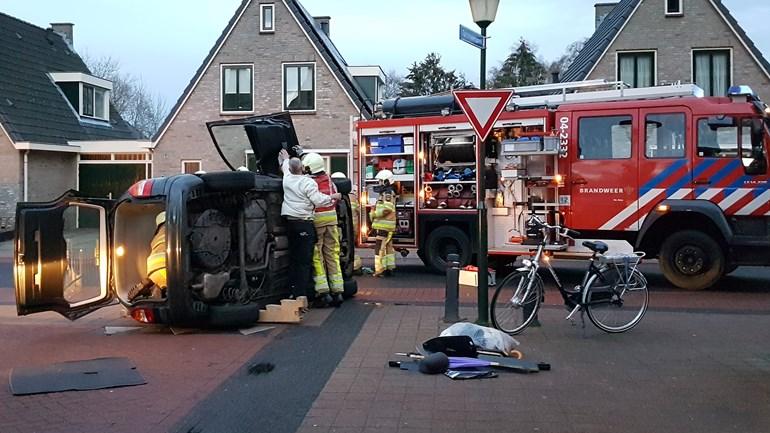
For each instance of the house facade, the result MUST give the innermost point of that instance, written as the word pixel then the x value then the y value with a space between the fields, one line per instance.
pixel 58 128
pixel 272 56
pixel 659 42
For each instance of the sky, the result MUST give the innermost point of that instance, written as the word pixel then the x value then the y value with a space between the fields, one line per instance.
pixel 164 42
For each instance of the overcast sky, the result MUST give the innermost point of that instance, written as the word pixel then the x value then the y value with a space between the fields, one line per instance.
pixel 165 41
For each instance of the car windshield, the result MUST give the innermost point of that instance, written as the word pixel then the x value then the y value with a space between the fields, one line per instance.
pixel 233 143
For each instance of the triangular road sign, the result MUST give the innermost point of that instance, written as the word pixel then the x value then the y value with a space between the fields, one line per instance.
pixel 483 107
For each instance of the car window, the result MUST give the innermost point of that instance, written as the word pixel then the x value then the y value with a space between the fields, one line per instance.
pixel 607 137
pixel 665 136
pixel 718 141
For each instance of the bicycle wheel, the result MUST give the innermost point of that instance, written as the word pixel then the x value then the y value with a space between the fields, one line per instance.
pixel 613 303
pixel 513 307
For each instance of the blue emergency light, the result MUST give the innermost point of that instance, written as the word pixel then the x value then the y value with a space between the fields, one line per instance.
pixel 740 91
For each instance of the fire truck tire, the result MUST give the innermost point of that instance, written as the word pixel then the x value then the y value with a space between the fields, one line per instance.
pixel 692 260
pixel 446 240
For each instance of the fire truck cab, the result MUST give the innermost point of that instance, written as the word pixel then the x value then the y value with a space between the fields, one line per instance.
pixel 663 170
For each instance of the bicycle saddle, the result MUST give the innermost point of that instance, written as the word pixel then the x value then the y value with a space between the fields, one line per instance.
pixel 597 247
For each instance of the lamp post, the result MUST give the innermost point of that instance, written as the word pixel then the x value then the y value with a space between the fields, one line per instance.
pixel 483 12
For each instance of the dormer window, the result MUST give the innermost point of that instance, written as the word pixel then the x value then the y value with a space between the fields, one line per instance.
pixel 674 8
pixel 88 96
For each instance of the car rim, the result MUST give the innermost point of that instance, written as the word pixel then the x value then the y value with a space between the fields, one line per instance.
pixel 691 260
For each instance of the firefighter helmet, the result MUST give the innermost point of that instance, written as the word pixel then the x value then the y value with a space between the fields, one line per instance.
pixel 385 177
pixel 313 162
pixel 338 175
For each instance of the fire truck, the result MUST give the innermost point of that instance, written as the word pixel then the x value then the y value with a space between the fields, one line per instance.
pixel 663 170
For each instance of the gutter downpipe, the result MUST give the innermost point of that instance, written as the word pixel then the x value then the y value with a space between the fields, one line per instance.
pixel 26 175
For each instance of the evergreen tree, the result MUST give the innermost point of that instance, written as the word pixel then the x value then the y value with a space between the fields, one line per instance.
pixel 429 77
pixel 521 68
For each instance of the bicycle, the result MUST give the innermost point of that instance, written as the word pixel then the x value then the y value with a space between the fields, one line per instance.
pixel 613 289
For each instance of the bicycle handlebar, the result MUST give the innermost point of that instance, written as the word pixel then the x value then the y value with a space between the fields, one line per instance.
pixel 563 231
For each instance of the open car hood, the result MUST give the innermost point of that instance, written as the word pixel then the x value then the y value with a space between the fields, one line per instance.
pixel 254 142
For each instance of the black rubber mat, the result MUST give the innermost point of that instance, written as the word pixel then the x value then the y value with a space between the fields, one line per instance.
pixel 75 376
pixel 276 399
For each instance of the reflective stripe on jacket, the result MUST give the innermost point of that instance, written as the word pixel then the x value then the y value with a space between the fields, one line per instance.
pixel 384 214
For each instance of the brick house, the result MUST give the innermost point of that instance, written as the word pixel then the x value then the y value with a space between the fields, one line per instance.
pixel 58 128
pixel 272 56
pixel 657 42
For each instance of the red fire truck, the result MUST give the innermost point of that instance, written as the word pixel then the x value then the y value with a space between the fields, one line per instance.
pixel 663 170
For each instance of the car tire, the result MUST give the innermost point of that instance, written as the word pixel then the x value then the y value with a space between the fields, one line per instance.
pixel 692 260
pixel 443 241
pixel 350 288
pixel 226 181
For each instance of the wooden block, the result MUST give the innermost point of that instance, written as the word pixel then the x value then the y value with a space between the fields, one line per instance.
pixel 289 311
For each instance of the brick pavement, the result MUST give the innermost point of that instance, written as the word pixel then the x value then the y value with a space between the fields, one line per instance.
pixel 675 372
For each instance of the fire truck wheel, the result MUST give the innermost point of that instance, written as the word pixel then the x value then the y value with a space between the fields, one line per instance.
pixel 692 260
pixel 443 241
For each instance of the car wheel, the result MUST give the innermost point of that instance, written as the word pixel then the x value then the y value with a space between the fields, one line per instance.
pixel 350 288
pixel 692 260
pixel 443 241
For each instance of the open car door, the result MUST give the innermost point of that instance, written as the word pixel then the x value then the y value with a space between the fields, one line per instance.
pixel 254 142
pixel 62 256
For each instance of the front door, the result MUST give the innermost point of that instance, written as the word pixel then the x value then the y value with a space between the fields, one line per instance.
pixel 665 167
pixel 602 181
pixel 61 263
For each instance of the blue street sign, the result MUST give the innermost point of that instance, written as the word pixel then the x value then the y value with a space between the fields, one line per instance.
pixel 472 37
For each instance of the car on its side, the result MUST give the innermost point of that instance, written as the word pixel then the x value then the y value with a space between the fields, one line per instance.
pixel 226 243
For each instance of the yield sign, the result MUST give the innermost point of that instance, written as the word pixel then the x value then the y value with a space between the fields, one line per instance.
pixel 483 107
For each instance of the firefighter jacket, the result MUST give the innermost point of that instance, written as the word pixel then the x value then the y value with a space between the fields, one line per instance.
pixel 384 214
pixel 156 262
pixel 325 215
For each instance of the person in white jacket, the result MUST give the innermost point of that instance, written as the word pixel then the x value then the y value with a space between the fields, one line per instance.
pixel 300 198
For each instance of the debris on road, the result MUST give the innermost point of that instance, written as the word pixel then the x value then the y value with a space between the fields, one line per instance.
pixel 82 375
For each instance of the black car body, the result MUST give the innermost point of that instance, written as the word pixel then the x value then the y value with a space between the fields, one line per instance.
pixel 226 244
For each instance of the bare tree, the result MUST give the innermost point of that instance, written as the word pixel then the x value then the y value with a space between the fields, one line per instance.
pixel 570 54
pixel 393 83
pixel 130 96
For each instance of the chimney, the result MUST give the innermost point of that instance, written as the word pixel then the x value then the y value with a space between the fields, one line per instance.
pixel 65 30
pixel 602 10
pixel 555 76
pixel 323 22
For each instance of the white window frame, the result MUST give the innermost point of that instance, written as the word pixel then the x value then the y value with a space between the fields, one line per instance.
pixel 222 67
pixel 106 102
pixel 679 13
pixel 262 8
pixel 654 59
pixel 188 161
pixel 692 61
pixel 315 86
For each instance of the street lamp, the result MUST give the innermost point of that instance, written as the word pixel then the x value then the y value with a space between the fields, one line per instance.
pixel 483 12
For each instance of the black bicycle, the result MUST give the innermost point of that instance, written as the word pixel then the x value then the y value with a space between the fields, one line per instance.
pixel 613 292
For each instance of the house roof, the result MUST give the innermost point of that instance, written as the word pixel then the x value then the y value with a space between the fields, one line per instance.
pixel 32 107
pixel 597 45
pixel 318 38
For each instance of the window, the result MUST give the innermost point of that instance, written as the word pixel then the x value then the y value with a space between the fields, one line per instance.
pixel 299 87
pixel 753 146
pixel 711 71
pixel 191 166
pixel 267 18
pixel 718 139
pixel 236 88
pixel 88 101
pixel 665 136
pixel 604 137
pixel 674 7
pixel 637 69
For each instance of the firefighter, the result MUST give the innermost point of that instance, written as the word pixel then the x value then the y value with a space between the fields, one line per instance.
pixel 155 284
pixel 354 209
pixel 327 274
pixel 383 218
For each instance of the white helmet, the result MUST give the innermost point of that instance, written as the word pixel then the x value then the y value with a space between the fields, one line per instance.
pixel 160 218
pixel 338 175
pixel 385 177
pixel 313 162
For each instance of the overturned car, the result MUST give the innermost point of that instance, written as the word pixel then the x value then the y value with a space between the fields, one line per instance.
pixel 226 246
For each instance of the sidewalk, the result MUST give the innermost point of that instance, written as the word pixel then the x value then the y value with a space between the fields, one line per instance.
pixel 674 372
pixel 6 250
